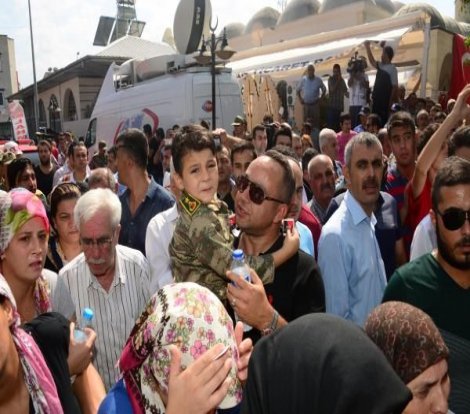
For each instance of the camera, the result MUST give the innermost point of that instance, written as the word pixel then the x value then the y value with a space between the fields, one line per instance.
pixel 356 64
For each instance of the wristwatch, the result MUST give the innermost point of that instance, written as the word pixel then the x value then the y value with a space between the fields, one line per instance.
pixel 272 326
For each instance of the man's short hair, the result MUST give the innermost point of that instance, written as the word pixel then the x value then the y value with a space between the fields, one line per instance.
pixel 459 139
pixel 45 143
pixel 102 144
pixel 190 138
pixel 258 127
pixel 307 156
pixel 453 171
pixel 95 201
pixel 100 177
pixel 286 151
pixel 287 181
pixel 243 146
pixel 135 143
pixel 72 146
pixel 147 128
pixel 401 119
pixel 324 135
pixel 364 138
pixel 374 119
pixel 113 151
pixel 283 131
pixel 344 117
pixel 389 52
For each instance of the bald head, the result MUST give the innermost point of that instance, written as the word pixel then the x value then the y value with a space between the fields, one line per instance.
pixel 322 179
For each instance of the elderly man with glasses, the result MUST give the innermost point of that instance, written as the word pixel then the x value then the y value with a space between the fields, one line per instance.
pixel 263 200
pixel 111 279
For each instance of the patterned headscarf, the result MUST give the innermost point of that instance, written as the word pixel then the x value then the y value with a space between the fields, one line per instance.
pixel 188 316
pixel 407 336
pixel 37 377
pixel 16 208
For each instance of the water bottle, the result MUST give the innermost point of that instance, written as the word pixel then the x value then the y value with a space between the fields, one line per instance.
pixel 240 268
pixel 79 334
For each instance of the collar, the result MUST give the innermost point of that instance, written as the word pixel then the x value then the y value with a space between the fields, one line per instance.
pixel 357 212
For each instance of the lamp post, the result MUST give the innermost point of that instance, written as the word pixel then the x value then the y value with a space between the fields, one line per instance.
pixel 35 84
pixel 208 56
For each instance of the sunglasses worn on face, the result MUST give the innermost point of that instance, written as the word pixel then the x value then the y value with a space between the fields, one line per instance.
pixel 255 192
pixel 454 218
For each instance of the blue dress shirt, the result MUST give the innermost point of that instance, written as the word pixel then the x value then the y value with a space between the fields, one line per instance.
pixel 350 262
pixel 306 238
pixel 134 228
pixel 311 88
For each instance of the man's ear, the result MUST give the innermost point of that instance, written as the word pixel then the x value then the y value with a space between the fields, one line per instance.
pixel 346 174
pixel 178 181
pixel 281 214
pixel 117 231
pixel 432 214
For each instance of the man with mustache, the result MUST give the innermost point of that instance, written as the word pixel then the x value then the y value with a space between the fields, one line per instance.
pixel 349 256
pixel 439 282
pixel 111 279
pixel 322 182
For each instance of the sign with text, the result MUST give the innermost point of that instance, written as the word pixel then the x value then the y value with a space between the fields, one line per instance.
pixel 18 120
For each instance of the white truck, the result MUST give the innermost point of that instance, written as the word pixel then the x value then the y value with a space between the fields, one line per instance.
pixel 162 92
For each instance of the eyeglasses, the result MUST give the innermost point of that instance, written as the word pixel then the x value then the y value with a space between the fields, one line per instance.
pixel 256 193
pixel 101 243
pixel 454 218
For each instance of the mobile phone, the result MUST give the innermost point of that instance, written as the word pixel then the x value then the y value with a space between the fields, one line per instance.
pixel 287 224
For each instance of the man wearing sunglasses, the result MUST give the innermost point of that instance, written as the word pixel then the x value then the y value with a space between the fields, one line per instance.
pixel 265 196
pixel 439 282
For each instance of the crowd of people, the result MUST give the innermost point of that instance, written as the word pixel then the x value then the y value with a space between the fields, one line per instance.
pixel 356 233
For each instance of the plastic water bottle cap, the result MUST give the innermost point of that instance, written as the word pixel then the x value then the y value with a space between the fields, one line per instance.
pixel 238 254
pixel 87 314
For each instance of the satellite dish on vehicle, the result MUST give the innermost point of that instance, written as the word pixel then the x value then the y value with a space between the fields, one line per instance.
pixel 192 19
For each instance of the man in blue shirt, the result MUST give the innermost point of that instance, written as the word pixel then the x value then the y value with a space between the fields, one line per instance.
pixel 349 255
pixel 144 198
pixel 310 91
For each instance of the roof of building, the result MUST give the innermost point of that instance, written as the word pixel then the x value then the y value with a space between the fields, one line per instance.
pixel 297 9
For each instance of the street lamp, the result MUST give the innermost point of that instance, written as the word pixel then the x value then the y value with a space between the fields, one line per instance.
pixel 206 57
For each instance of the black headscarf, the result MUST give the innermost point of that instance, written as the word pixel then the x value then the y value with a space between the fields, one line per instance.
pixel 321 364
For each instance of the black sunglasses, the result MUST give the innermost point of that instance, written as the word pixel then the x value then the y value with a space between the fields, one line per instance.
pixel 454 218
pixel 256 193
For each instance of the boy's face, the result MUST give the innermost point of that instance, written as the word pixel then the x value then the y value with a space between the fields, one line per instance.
pixel 200 176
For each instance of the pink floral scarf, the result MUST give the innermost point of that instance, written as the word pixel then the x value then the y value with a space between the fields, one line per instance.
pixel 188 316
pixel 38 378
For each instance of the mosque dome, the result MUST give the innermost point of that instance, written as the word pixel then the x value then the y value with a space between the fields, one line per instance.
pixel 333 4
pixel 264 18
pixel 397 5
pixel 451 24
pixel 464 28
pixel 233 30
pixel 297 9
pixel 436 17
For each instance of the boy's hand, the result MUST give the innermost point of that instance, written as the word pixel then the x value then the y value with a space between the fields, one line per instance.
pixel 291 241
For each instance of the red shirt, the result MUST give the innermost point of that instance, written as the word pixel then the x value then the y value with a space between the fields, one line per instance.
pixel 308 218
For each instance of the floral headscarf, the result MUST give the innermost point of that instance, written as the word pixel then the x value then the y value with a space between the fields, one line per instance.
pixel 16 208
pixel 38 378
pixel 188 316
pixel 407 336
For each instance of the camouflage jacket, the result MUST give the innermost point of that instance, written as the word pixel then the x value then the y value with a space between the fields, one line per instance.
pixel 202 245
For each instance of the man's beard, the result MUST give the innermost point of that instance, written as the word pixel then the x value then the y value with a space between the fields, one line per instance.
pixel 447 254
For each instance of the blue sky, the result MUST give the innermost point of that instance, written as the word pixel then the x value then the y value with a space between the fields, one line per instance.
pixel 64 29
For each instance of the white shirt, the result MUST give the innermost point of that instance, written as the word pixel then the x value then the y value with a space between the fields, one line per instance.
pixel 116 310
pixel 424 238
pixel 65 169
pixel 159 234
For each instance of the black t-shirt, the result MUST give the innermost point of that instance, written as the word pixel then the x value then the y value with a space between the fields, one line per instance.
pixel 44 181
pixel 297 288
pixel 51 333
